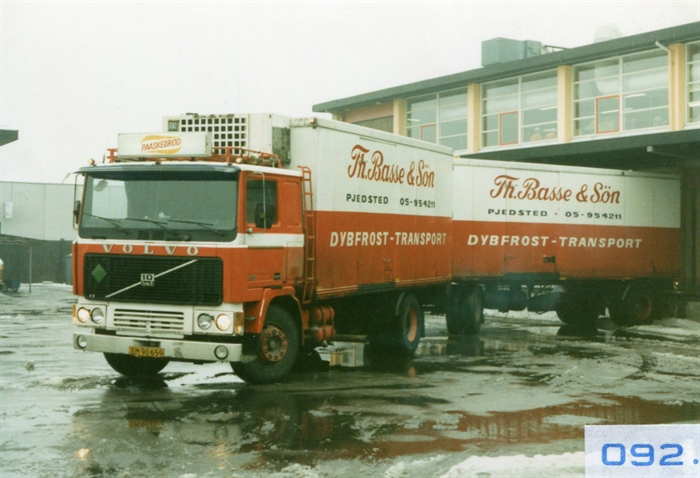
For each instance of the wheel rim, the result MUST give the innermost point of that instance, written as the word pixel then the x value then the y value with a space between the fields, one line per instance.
pixel 411 325
pixel 641 307
pixel 274 344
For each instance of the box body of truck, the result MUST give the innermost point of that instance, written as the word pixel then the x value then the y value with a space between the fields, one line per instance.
pixel 383 207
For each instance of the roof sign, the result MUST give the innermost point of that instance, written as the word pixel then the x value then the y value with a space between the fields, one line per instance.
pixel 163 145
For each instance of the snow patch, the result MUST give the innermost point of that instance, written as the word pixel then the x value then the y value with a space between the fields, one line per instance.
pixel 674 327
pixel 402 468
pixel 524 314
pixel 520 466
pixel 296 471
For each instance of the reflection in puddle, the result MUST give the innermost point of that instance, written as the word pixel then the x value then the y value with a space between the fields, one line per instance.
pixel 280 428
pixel 349 355
pixel 580 332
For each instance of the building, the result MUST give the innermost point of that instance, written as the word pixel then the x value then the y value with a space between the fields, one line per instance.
pixel 36 230
pixel 626 103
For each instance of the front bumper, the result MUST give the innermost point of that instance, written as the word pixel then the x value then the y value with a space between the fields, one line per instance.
pixel 185 351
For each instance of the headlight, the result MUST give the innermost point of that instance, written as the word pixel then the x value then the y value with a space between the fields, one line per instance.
pixel 204 321
pixel 81 341
pixel 223 322
pixel 97 315
pixel 83 315
pixel 221 352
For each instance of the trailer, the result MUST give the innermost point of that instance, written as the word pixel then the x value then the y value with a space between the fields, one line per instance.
pixel 570 239
pixel 193 247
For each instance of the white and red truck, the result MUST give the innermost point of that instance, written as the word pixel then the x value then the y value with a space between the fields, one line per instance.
pixel 192 247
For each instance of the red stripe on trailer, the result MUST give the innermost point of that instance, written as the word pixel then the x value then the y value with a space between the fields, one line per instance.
pixel 572 251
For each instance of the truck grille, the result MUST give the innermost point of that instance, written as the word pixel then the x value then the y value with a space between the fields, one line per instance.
pixel 154 279
pixel 149 321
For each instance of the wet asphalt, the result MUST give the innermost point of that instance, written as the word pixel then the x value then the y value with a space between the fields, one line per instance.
pixel 524 385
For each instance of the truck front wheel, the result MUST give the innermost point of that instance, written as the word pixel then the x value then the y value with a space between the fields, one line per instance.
pixel 276 347
pixel 138 367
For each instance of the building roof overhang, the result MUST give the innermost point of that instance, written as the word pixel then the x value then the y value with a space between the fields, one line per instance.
pixel 6 240
pixel 665 151
pixel 8 136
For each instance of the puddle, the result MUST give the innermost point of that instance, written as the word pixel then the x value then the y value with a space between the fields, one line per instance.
pixel 460 354
pixel 358 354
pixel 304 427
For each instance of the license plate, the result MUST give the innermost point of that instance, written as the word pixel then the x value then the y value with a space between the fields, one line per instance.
pixel 153 352
pixel 148 424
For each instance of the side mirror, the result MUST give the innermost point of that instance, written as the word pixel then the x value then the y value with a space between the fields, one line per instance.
pixel 265 215
pixel 76 212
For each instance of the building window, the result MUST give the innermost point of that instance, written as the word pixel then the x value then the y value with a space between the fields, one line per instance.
pixel 693 76
pixel 439 118
pixel 452 119
pixel 519 110
pixel 621 94
pixel 508 127
pixel 607 113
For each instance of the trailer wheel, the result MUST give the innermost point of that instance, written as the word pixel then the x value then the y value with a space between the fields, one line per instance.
pixel 277 348
pixel 578 307
pixel 467 312
pixel 640 306
pixel 131 366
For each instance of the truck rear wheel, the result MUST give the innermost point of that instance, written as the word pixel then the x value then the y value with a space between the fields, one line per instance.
pixel 403 331
pixel 578 307
pixel 467 311
pixel 277 348
pixel 410 325
pixel 131 366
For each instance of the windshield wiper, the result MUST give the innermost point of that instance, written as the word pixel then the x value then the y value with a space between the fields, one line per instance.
pixel 160 224
pixel 203 225
pixel 113 222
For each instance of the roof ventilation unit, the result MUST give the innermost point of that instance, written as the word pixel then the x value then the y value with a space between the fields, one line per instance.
pixel 501 50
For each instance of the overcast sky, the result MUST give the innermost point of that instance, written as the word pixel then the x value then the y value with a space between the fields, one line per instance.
pixel 74 75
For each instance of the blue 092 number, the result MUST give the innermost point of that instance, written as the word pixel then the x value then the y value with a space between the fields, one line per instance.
pixel 640 451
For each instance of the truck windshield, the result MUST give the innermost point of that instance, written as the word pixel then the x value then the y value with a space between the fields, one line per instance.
pixel 160 205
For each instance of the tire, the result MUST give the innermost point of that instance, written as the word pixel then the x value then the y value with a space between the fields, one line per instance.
pixel 401 333
pixel 453 314
pixel 467 312
pixel 410 325
pixel 277 349
pixel 578 307
pixel 139 367
pixel 617 314
pixel 640 306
